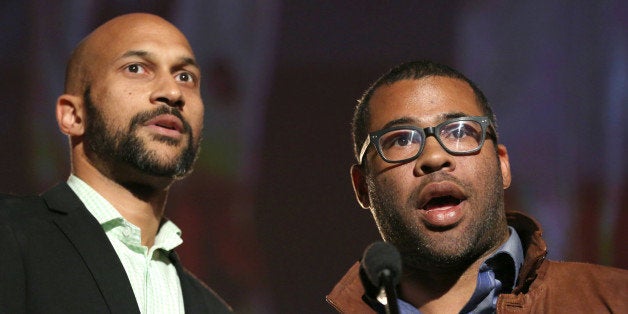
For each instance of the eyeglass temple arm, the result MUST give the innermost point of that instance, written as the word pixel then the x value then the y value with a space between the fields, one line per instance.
pixel 365 146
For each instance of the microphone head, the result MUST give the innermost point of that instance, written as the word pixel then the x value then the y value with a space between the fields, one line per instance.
pixel 381 257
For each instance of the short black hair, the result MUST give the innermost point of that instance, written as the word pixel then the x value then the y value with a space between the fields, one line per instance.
pixel 413 70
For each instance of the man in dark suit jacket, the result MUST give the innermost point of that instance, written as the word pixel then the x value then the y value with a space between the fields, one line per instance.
pixel 100 243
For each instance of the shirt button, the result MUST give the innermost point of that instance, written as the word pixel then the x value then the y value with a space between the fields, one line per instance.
pixel 126 231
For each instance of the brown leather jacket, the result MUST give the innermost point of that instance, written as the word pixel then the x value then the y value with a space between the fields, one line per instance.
pixel 543 286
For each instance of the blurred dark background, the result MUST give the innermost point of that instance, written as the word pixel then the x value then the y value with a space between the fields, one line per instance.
pixel 269 219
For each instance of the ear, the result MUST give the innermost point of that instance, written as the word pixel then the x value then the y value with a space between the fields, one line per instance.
pixel 70 115
pixel 360 188
pixel 504 164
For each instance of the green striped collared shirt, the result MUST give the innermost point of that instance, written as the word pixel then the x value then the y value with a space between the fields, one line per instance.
pixel 153 277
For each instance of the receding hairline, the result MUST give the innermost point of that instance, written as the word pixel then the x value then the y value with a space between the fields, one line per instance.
pixel 76 76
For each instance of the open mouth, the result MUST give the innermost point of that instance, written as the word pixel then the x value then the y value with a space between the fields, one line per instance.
pixel 440 195
pixel 442 205
pixel 167 122
pixel 444 201
pixel 166 126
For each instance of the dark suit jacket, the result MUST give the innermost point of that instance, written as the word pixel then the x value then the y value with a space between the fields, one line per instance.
pixel 56 258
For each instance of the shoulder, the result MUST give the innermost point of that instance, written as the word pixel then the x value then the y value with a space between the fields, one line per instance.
pixel 590 284
pixel 58 199
pixel 22 218
pixel 197 294
pixel 16 208
pixel 34 214
pixel 574 271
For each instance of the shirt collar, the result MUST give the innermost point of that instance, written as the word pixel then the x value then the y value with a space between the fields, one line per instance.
pixel 497 274
pixel 514 249
pixel 168 236
pixel 97 205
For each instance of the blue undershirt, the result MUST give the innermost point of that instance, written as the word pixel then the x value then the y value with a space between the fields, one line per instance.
pixel 498 274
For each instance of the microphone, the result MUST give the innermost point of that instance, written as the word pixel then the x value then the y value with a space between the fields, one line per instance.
pixel 380 271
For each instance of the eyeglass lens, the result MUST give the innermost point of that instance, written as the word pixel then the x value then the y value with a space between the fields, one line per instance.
pixel 456 137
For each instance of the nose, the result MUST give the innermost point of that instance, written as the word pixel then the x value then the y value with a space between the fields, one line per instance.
pixel 433 158
pixel 167 91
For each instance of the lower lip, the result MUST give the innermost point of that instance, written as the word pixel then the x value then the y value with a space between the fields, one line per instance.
pixel 164 131
pixel 445 216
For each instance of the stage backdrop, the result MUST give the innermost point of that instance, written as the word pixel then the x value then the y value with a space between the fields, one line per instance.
pixel 269 219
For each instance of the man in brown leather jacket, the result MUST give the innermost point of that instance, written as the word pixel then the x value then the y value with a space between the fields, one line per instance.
pixel 432 173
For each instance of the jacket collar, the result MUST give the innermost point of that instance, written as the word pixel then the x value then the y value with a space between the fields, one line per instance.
pixel 86 234
pixel 530 232
pixel 92 244
pixel 347 294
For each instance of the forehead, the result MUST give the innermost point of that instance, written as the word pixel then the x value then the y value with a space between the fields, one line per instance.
pixel 157 39
pixel 423 101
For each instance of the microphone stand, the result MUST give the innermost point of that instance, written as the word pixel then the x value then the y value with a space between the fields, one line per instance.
pixel 392 307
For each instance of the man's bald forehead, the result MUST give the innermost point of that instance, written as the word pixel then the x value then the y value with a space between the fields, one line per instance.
pixel 98 40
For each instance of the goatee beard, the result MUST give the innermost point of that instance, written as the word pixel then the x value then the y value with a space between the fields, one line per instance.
pixel 126 147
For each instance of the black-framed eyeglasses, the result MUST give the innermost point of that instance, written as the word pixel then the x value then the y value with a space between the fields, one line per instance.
pixel 459 136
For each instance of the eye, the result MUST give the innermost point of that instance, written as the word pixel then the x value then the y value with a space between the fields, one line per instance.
pixel 403 140
pixel 461 130
pixel 185 77
pixel 136 68
pixel 400 138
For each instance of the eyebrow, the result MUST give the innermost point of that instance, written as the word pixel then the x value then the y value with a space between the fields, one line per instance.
pixel 410 120
pixel 146 54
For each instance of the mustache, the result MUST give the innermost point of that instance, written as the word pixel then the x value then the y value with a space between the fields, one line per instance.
pixel 145 116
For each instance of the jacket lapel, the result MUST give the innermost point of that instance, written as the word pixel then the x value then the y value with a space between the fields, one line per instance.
pixel 198 298
pixel 190 298
pixel 89 239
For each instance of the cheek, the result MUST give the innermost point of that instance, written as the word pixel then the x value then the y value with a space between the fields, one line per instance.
pixel 196 121
pixel 487 173
pixel 394 184
pixel 117 105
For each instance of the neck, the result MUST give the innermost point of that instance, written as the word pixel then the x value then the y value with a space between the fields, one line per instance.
pixel 140 203
pixel 439 291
